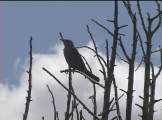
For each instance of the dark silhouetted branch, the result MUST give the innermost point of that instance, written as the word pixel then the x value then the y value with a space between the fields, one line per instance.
pixel 131 14
pixel 94 52
pixel 53 102
pixel 28 98
pixel 67 115
pixel 139 65
pixel 107 57
pixel 117 100
pixel 122 58
pixel 97 52
pixel 139 106
pixel 160 18
pixel 123 49
pixel 141 17
pixel 93 81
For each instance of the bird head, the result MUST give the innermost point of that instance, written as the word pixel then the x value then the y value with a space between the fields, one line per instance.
pixel 67 43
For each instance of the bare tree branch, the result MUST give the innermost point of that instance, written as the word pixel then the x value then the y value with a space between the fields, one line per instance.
pixel 160 18
pixel 131 72
pixel 108 82
pixel 86 63
pixel 122 26
pixel 77 113
pixel 95 102
pixel 141 17
pixel 139 106
pixel 28 98
pixel 123 49
pixel 97 53
pixel 123 91
pixel 122 58
pixel 139 65
pixel 157 100
pixel 117 100
pixel 156 51
pixel 93 81
pixel 107 56
pixel 94 52
pixel 128 7
pixel 53 102
pixel 67 115
pixel 73 107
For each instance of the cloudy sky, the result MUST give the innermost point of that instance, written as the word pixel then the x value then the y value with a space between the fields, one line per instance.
pixel 43 21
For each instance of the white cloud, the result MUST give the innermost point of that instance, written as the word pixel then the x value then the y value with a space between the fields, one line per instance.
pixel 13 100
pixel 16 66
pixel 17 62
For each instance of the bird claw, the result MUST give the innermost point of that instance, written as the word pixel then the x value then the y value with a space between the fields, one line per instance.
pixel 73 70
pixel 66 71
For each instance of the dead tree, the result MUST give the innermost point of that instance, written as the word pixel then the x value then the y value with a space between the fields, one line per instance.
pixel 109 77
pixel 28 98
pixel 107 71
pixel 148 105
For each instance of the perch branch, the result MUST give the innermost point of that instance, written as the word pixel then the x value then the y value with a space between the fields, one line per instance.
pixel 93 81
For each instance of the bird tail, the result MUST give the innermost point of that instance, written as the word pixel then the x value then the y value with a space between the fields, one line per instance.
pixel 92 76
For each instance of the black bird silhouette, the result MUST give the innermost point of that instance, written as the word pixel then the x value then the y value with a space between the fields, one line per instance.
pixel 74 59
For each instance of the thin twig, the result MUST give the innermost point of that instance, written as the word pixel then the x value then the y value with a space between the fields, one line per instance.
pixel 139 106
pixel 73 107
pixel 141 17
pixel 115 102
pixel 123 49
pixel 116 99
pixel 94 52
pixel 160 18
pixel 157 100
pixel 53 102
pixel 86 63
pixel 139 65
pixel 104 73
pixel 160 68
pixel 122 26
pixel 75 104
pixel 156 51
pixel 122 58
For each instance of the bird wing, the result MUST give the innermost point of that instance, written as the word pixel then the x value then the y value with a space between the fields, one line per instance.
pixel 74 59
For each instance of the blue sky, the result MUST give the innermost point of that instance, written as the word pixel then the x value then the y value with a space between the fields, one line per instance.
pixel 44 20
